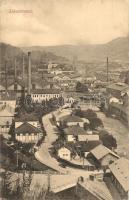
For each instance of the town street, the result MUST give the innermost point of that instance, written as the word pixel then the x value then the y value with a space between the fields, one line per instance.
pixel 44 156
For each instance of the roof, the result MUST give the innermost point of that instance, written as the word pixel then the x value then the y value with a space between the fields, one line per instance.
pixel 88 137
pixel 86 147
pixel 97 189
pixel 46 91
pixel 74 130
pixel 120 169
pixel 26 117
pixel 26 128
pixel 101 151
pixel 71 118
pixel 118 86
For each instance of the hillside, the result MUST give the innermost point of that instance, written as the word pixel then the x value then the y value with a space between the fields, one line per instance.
pixel 8 53
pixel 117 50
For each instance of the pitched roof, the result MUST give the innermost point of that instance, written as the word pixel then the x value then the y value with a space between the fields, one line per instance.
pixel 74 130
pixel 88 137
pixel 100 151
pixel 25 117
pixel 46 91
pixel 71 118
pixel 118 86
pixel 97 189
pixel 86 147
pixel 120 169
pixel 26 128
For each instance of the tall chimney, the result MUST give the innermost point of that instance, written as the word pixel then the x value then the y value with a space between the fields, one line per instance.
pixel 23 68
pixel 15 69
pixel 29 73
pixel 107 71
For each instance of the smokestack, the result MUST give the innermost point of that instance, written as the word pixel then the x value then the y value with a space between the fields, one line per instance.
pixel 15 69
pixel 107 71
pixel 29 73
pixel 23 68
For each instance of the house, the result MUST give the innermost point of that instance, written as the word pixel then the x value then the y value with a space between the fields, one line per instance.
pixel 45 94
pixel 7 113
pixel 103 156
pixel 6 119
pixel 27 133
pixel 120 176
pixel 29 118
pixel 72 133
pixel 73 120
pixel 116 89
pixel 92 190
pixel 64 153
pixel 18 86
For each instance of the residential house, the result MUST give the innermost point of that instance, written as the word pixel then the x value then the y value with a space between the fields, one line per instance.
pixel 103 156
pixel 120 176
pixel 117 89
pixel 45 94
pixel 73 120
pixel 64 153
pixel 27 133
pixel 72 133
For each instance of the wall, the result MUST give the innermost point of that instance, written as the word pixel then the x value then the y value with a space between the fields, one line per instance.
pixel 81 124
pixel 28 138
pixel 40 97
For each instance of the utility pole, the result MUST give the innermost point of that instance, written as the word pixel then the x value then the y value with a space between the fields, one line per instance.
pixel 107 71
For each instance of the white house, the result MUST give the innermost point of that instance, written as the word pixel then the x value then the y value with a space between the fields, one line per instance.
pixel 45 94
pixel 64 153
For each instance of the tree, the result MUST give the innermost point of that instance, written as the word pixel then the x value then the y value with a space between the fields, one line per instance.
pixel 108 140
pixel 80 87
pixel 95 123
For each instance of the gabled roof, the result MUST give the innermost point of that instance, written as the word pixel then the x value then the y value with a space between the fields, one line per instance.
pixel 71 118
pixel 101 151
pixel 74 130
pixel 120 169
pixel 26 128
pixel 46 91
pixel 118 86
pixel 97 189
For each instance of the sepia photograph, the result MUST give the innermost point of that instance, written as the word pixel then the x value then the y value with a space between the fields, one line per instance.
pixel 64 100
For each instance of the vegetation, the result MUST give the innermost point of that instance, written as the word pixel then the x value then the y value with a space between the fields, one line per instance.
pixel 80 87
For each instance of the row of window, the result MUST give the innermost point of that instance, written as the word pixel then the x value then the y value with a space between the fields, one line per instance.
pixel 27 134
pixel 45 95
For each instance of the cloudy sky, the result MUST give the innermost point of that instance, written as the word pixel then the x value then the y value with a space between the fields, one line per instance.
pixel 55 22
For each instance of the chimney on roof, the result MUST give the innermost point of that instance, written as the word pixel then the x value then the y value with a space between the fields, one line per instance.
pixel 29 73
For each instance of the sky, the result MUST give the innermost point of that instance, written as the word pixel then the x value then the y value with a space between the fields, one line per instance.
pixel 57 22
